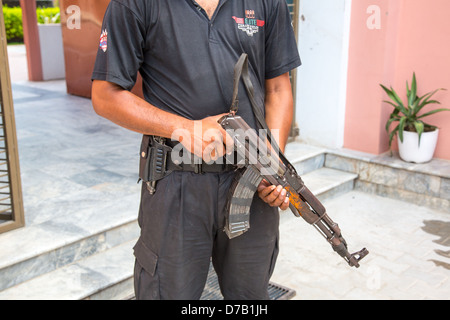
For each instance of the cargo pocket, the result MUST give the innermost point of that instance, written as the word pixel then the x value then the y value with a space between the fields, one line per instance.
pixel 146 279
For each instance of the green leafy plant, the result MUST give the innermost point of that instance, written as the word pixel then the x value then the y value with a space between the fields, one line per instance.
pixel 13 24
pixel 408 115
pixel 48 15
pixel 13 20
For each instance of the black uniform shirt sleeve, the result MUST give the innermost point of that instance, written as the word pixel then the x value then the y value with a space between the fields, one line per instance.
pixel 120 55
pixel 281 47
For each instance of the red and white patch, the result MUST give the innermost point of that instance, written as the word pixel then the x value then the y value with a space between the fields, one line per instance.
pixel 104 40
pixel 249 24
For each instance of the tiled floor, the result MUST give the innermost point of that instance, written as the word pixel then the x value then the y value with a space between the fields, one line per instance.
pixel 67 151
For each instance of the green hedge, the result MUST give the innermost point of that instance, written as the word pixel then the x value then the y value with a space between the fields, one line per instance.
pixel 48 15
pixel 13 24
pixel 13 21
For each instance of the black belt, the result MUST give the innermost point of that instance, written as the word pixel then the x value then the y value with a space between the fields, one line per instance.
pixel 203 167
pixel 156 162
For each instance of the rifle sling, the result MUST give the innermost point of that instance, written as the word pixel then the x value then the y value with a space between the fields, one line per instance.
pixel 241 72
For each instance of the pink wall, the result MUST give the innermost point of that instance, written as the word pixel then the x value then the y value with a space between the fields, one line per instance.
pixel 414 35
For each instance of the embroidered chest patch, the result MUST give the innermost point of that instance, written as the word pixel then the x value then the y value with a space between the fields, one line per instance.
pixel 249 24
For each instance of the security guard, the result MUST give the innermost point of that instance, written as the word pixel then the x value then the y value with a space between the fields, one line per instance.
pixel 185 51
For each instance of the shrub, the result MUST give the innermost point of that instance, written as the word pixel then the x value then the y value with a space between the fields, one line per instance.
pixel 13 20
pixel 13 24
pixel 48 15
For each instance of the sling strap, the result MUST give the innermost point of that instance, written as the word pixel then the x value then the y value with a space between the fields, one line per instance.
pixel 241 72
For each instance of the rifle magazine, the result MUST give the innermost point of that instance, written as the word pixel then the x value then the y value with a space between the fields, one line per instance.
pixel 240 198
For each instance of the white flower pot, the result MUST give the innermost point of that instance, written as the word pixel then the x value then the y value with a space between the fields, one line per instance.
pixel 410 151
pixel 52 51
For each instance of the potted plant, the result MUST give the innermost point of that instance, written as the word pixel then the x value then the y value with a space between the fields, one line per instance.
pixel 416 139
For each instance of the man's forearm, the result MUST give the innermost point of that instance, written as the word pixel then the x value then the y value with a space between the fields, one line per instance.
pixel 203 137
pixel 279 107
pixel 129 111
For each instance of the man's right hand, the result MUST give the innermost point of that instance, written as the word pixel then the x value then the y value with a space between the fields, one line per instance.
pixel 206 139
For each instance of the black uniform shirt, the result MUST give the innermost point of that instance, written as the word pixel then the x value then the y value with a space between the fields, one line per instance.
pixel 186 60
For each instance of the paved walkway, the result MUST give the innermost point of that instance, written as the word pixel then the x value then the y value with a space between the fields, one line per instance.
pixel 409 252
pixel 409 245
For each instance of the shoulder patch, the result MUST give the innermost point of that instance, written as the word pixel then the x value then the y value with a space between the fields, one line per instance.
pixel 104 40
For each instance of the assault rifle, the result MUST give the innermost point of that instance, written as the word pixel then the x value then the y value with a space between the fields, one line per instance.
pixel 262 159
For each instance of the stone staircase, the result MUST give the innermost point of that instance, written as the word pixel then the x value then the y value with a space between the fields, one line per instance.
pixel 425 184
pixel 97 262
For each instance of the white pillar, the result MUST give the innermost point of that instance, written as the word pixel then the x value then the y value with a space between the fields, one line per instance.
pixel 323 39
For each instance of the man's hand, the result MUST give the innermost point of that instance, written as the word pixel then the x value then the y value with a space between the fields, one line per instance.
pixel 275 196
pixel 207 139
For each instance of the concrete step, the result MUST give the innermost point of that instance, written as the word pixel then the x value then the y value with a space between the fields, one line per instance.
pixel 426 184
pixel 106 275
pixel 41 248
pixel 326 183
pixel 309 162
pixel 305 158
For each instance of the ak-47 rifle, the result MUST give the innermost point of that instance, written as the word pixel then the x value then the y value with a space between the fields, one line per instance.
pixel 261 162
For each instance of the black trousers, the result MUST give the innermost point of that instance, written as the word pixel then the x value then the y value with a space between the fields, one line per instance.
pixel 182 231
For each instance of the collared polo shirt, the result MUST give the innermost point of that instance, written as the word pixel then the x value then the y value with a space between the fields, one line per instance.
pixel 186 60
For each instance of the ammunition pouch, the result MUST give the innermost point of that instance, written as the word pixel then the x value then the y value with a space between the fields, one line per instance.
pixel 155 154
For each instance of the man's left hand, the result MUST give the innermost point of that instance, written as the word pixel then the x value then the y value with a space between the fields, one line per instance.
pixel 275 196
